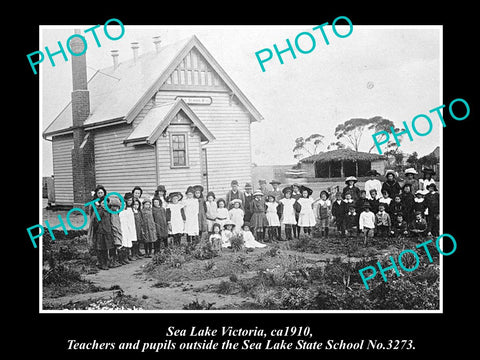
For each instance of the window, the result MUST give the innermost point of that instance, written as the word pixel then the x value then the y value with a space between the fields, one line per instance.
pixel 178 148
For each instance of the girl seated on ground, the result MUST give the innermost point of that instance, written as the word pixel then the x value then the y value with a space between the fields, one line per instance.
pixel 215 239
pixel 249 240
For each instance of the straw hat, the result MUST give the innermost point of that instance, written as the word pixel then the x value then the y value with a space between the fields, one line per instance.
pixel 173 194
pixel 287 189
pixel 411 171
pixel 306 188
pixel 228 222
pixel 257 193
pixel 234 201
pixel 351 178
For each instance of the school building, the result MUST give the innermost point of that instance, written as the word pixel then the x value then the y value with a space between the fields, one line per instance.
pixel 172 116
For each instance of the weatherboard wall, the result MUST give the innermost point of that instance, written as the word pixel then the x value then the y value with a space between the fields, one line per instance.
pixel 62 169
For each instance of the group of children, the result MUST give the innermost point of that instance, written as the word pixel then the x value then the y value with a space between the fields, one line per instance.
pixel 410 208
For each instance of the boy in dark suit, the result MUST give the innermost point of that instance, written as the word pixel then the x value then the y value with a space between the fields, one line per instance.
pixel 339 211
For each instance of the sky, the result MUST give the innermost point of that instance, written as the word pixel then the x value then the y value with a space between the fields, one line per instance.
pixel 310 94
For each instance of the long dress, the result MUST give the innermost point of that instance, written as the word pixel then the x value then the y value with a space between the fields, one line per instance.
pixel 149 230
pixel 176 217
pixel 288 216
pixel 139 225
pixel 127 222
pixel 160 218
pixel 211 214
pixel 306 217
pixel 202 214
pixel 222 216
pixel 259 219
pixel 271 213
pixel 236 215
pixel 191 216
pixel 226 235
pixel 249 240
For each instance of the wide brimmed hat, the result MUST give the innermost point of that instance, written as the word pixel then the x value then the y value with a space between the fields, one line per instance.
pixel 173 194
pixel 324 192
pixel 113 200
pixel 432 185
pixel 228 222
pixel 275 182
pixel 128 195
pixel 428 171
pixel 306 188
pixel 390 171
pixel 248 186
pixel 296 184
pixel 211 193
pixel 366 205
pixel 410 171
pixel 262 181
pixel 351 178
pixel 190 190
pixel 420 192
pixel 161 188
pixel 287 189
pixel 146 199
pixel 246 223
pixel 373 172
pixel 234 201
pixel 257 193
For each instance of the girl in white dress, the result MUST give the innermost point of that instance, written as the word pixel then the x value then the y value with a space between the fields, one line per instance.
pixel 227 233
pixel 222 212
pixel 211 211
pixel 176 216
pixel 272 217
pixel 127 222
pixel 306 218
pixel 248 238
pixel 191 215
pixel 288 211
pixel 236 214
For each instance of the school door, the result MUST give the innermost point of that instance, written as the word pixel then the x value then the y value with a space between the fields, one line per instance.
pixel 204 166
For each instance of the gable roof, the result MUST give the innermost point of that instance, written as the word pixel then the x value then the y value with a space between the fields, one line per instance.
pixel 120 94
pixel 158 119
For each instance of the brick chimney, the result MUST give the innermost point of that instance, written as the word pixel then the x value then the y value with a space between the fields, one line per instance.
pixel 83 160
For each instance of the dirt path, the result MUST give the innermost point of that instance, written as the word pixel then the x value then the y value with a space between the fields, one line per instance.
pixel 131 279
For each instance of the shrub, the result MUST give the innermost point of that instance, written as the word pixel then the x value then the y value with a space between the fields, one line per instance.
pixel 195 305
pixel 237 242
pixel 225 287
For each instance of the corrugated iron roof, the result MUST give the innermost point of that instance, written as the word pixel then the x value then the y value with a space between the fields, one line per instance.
pixel 119 94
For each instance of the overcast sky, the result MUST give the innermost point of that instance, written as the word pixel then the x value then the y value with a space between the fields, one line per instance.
pixel 310 94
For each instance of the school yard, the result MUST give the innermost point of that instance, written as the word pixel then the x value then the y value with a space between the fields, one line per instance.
pixel 310 273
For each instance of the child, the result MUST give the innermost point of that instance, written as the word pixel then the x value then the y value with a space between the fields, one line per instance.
pixel 234 193
pixel 391 185
pixel 137 193
pixel 176 216
pixel 419 202
pixel 354 190
pixel 161 193
pixel 276 189
pixel 288 212
pixel 191 215
pixel 361 201
pixel 127 221
pixel 215 239
pixel 427 179
pixel 366 222
pixel 396 206
pixel 222 212
pixel 400 227
pixel 407 200
pixel 372 184
pixel 385 200
pixel 149 228
pixel 306 218
pixel 272 217
pixel 419 225
pixel 410 179
pixel 136 208
pixel 227 233
pixel 249 240
pixel 248 202
pixel 202 209
pixel 236 214
pixel 432 201
pixel 351 220
pixel 296 195
pixel 259 220
pixel 102 236
pixel 347 198
pixel 116 254
pixel 383 221
pixel 374 201
pixel 339 211
pixel 159 213
pixel 99 193
pixel 324 211
pixel 211 213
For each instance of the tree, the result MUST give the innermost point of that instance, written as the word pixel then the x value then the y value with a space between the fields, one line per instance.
pixel 307 146
pixel 352 131
pixel 336 146
pixel 413 160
